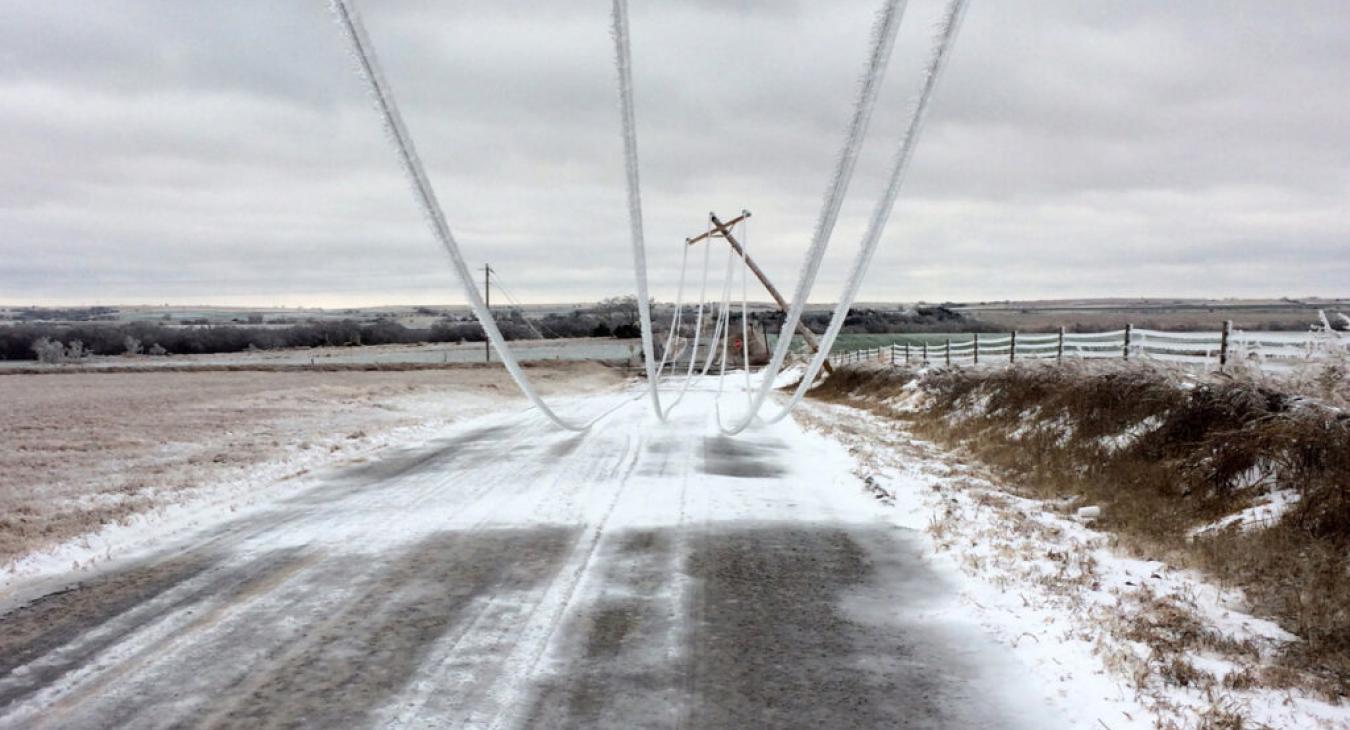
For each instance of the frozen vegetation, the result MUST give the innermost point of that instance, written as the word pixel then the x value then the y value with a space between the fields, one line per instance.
pixel 1174 509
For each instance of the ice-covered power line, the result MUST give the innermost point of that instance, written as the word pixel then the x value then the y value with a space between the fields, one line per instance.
pixel 937 61
pixel 678 315
pixel 623 62
pixel 698 332
pixel 745 330
pixel 349 18
pixel 883 41
pixel 519 308
pixel 723 314
pixel 698 329
pixel 745 299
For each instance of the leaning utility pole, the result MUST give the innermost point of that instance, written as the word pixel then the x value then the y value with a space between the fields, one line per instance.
pixel 723 231
pixel 487 304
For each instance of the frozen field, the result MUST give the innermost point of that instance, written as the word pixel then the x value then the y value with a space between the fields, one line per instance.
pixel 606 349
pixel 85 450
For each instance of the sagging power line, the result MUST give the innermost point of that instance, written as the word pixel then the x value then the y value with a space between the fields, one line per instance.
pixel 880 48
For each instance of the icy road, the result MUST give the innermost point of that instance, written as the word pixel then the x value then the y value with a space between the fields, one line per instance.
pixel 513 575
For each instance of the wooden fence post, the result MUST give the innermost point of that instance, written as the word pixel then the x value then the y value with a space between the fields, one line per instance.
pixel 1012 347
pixel 1059 352
pixel 949 352
pixel 977 348
pixel 1223 344
pixel 1128 329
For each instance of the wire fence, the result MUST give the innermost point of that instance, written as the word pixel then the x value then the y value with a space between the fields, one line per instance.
pixel 1271 350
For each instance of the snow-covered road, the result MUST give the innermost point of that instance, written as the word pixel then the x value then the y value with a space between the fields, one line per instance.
pixel 510 574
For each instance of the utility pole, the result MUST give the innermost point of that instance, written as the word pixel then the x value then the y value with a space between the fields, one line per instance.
pixel 487 303
pixel 723 231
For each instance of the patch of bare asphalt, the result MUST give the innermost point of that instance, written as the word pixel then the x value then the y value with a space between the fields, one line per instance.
pixel 795 627
pixel 56 634
pixel 742 457
pixel 617 671
pixel 347 665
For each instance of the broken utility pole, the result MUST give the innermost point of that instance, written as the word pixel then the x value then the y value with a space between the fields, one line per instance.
pixel 723 231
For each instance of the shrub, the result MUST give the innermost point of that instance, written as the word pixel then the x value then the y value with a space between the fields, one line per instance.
pixel 49 352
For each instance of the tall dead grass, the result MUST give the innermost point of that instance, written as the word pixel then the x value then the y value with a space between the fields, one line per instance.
pixel 1166 453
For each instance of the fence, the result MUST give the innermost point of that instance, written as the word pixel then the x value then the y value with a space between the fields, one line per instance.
pixel 1274 350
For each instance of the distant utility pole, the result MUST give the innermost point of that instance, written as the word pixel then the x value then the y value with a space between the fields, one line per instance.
pixel 487 303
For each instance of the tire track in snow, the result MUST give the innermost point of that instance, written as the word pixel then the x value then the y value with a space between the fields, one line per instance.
pixel 540 633
pixel 488 636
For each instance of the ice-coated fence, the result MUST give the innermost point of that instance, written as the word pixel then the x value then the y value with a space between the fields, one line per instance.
pixel 1272 350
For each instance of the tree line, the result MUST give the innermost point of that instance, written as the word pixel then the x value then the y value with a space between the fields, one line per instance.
pixel 57 342
pixel 613 317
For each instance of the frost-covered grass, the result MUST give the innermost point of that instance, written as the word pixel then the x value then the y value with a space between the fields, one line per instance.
pixel 1120 639
pixel 83 452
pixel 1177 464
pixel 425 355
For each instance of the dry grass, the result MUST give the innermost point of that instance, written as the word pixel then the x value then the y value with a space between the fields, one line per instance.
pixel 85 450
pixel 1164 453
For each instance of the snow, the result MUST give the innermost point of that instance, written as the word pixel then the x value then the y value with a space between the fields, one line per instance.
pixel 1267 509
pixel 254 489
pixel 506 470
pixel 1127 438
pixel 1054 591
pixel 790 375
pixel 1040 603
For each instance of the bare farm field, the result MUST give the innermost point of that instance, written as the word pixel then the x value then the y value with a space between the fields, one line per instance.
pixel 85 451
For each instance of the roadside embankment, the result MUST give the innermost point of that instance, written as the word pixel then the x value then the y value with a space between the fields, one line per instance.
pixel 1244 476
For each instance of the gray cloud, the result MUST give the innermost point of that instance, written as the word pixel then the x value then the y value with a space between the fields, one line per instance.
pixel 157 150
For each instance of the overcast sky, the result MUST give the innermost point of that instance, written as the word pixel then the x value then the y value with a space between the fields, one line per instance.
pixel 203 152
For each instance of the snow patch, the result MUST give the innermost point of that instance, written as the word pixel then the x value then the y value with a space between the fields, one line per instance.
pixel 1265 512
